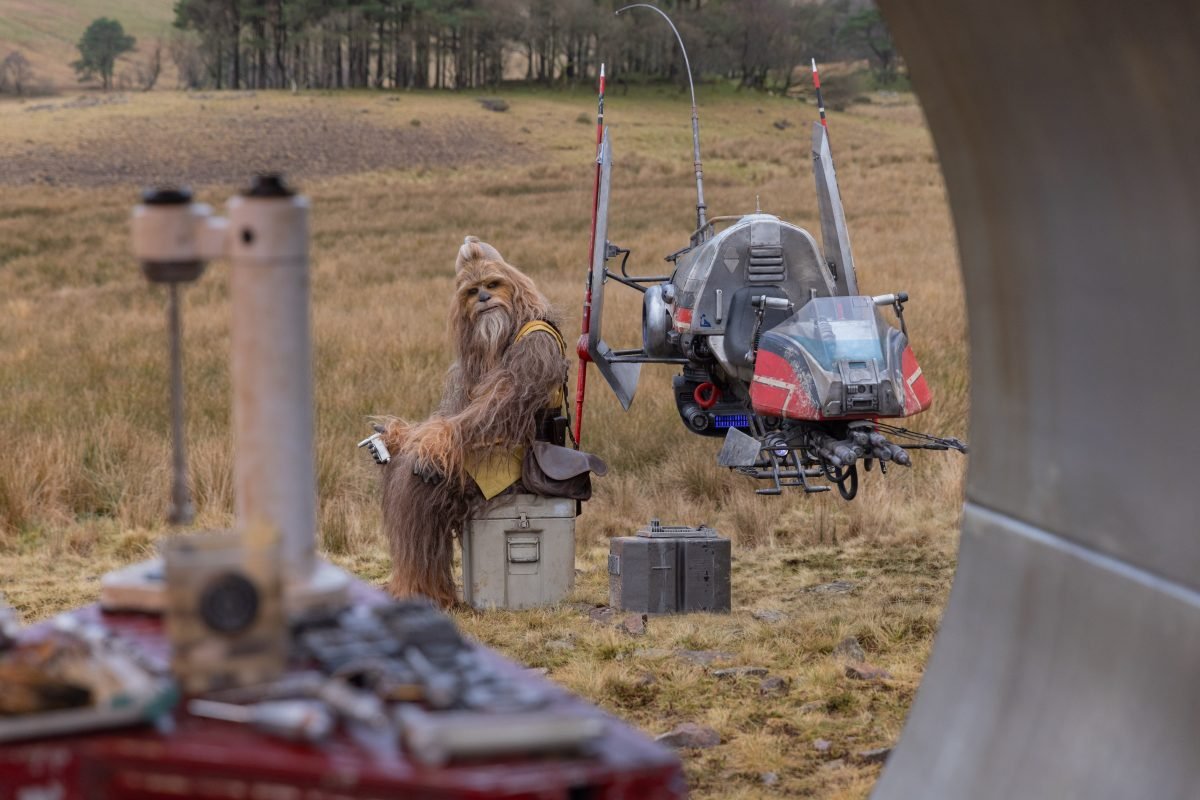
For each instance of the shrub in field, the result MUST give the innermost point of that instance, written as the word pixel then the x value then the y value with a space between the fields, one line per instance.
pixel 16 74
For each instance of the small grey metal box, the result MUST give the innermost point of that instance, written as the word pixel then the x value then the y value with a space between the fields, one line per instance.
pixel 668 569
pixel 520 552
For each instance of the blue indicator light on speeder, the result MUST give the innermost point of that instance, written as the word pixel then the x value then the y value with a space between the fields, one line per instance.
pixel 731 421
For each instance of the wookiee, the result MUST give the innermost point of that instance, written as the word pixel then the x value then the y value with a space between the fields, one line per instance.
pixel 510 372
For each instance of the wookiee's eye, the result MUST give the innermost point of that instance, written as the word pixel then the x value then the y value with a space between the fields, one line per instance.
pixel 472 291
pixel 493 284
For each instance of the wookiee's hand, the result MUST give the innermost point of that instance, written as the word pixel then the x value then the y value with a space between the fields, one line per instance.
pixel 395 434
pixel 430 445
pixel 427 474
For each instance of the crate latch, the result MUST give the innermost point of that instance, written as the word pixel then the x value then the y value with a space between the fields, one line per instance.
pixel 523 524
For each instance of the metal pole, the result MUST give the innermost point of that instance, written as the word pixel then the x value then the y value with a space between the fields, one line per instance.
pixel 170 237
pixel 274 456
pixel 182 512
pixel 581 348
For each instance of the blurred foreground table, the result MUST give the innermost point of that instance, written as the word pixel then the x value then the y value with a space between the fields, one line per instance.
pixel 200 758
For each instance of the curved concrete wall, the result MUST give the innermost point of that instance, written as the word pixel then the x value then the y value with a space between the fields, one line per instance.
pixel 1067 661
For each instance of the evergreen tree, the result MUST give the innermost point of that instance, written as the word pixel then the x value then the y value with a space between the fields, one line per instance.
pixel 466 44
pixel 102 44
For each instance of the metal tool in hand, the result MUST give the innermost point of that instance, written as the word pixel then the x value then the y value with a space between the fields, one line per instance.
pixel 295 720
pixel 376 447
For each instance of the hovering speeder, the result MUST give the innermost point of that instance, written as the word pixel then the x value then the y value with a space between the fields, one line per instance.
pixel 780 352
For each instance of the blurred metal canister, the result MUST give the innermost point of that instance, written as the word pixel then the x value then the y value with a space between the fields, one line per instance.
pixel 274 474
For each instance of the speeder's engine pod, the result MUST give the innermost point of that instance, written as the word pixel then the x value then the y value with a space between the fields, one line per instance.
pixel 780 353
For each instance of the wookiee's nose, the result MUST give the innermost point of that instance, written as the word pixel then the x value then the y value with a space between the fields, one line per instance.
pixel 484 295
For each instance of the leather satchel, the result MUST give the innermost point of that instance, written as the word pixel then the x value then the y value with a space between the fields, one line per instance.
pixel 550 470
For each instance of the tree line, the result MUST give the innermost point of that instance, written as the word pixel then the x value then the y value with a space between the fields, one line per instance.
pixel 466 44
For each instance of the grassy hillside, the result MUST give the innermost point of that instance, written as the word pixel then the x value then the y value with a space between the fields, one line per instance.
pixel 396 180
pixel 46 31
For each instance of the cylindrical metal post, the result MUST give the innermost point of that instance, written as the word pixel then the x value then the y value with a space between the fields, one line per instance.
pixel 181 512
pixel 274 472
pixel 171 241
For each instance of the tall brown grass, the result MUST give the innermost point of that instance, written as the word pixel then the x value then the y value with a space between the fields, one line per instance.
pixel 84 444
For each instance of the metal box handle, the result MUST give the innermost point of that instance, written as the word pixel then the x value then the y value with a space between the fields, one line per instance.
pixel 523 551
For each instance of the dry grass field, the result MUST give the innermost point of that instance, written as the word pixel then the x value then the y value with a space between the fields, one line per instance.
pixel 396 180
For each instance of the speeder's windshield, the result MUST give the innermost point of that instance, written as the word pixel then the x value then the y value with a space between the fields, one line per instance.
pixel 835 329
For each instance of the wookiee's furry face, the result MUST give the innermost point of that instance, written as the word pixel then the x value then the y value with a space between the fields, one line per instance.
pixel 492 299
pixel 484 300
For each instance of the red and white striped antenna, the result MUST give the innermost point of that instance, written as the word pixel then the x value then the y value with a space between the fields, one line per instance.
pixel 817 86
pixel 581 348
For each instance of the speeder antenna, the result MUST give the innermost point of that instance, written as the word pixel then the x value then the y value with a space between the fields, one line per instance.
pixel 701 208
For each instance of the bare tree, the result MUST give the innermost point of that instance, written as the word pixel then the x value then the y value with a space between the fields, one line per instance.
pixel 761 40
pixel 867 29
pixel 16 71
pixel 147 72
pixel 189 60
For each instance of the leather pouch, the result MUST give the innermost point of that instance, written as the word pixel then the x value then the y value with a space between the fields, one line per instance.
pixel 553 471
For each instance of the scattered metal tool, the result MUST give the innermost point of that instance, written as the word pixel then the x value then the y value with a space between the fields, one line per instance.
pixel 348 702
pixel 353 704
pixel 10 624
pixel 295 720
pixel 439 738
pixel 409 652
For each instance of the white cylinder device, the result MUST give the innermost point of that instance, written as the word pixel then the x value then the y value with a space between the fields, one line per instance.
pixel 272 383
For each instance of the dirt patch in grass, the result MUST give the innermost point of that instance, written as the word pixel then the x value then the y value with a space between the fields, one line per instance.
pixel 303 144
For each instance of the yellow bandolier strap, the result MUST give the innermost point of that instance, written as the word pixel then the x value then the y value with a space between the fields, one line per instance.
pixel 496 473
pixel 559 395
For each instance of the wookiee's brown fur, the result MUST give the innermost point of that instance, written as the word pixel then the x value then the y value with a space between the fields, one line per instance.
pixel 492 394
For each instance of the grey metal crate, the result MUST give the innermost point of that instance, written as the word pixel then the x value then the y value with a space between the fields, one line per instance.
pixel 669 569
pixel 520 552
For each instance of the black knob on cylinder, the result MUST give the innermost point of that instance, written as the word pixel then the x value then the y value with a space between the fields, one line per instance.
pixel 167 196
pixel 268 184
